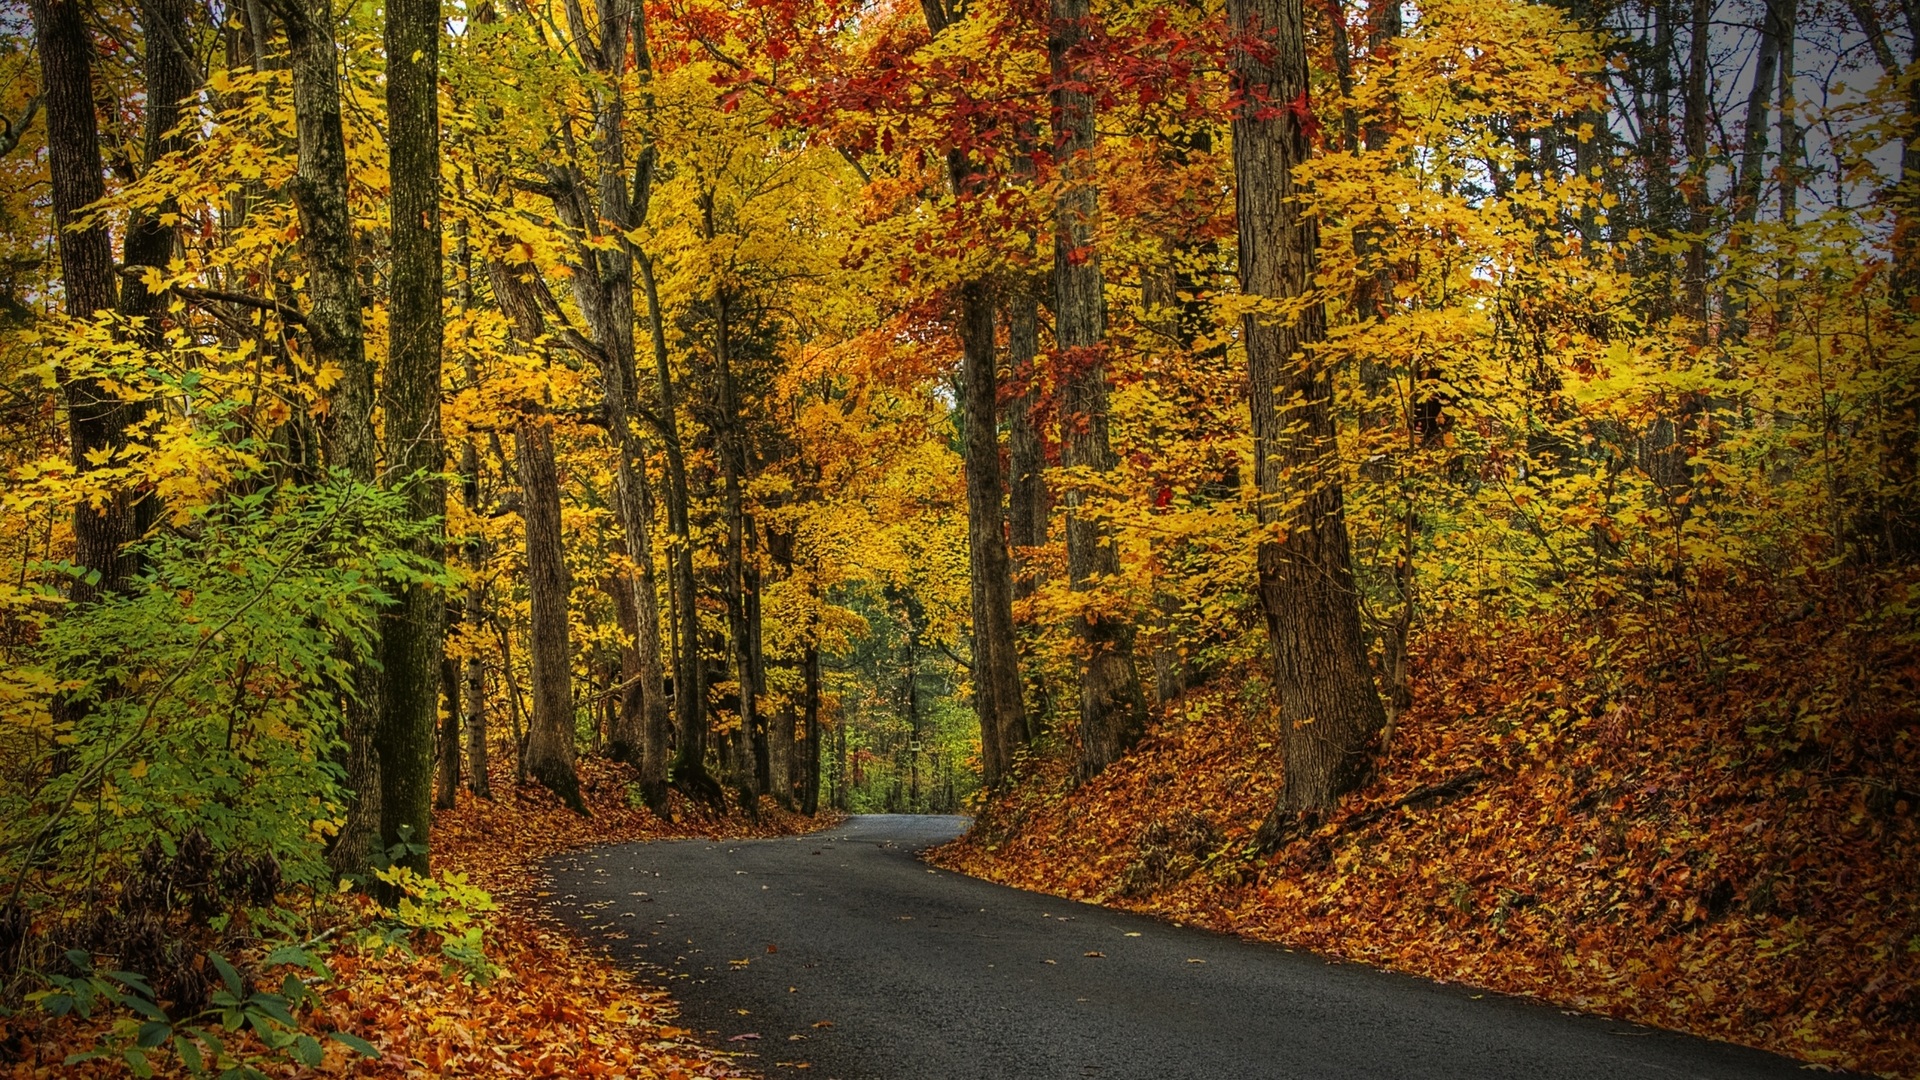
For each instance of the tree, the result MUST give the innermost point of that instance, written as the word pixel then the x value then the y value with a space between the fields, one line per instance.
pixel 337 342
pixel 996 678
pixel 1112 711
pixel 1324 687
pixel 550 755
pixel 98 418
pixel 413 632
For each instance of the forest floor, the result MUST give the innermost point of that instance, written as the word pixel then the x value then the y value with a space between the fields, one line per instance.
pixel 1718 856
pixel 557 1008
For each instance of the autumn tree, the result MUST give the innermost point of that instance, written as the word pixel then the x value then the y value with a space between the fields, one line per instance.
pixel 1323 683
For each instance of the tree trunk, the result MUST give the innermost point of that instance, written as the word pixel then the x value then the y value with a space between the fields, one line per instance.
pixel 1327 701
pixel 1791 149
pixel 97 418
pixel 1696 104
pixel 996 661
pixel 1753 150
pixel 1026 453
pixel 335 337
pixel 150 237
pixel 1112 712
pixel 732 453
pixel 447 745
pixel 413 634
pixel 549 755
pixel 810 665
pixel 689 770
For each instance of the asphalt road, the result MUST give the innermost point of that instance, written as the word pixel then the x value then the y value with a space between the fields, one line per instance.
pixel 843 953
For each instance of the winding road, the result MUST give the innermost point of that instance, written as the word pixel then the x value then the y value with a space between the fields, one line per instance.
pixel 843 954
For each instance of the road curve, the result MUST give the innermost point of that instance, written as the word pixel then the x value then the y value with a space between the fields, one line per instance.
pixel 886 969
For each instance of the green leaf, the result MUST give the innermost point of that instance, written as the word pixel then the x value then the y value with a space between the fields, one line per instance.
pixel 227 974
pixel 272 1005
pixel 306 1050
pixel 153 1033
pixel 355 1043
pixel 189 1053
pixel 137 1061
pixel 133 981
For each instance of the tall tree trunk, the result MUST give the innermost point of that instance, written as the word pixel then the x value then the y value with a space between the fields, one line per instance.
pixel 1753 150
pixel 472 608
pixel 413 633
pixel 810 790
pixel 549 756
pixel 689 769
pixel 996 662
pixel 1657 156
pixel 1112 712
pixel 150 235
pixel 1027 503
pixel 447 743
pixel 335 337
pixel 1699 61
pixel 97 418
pixel 996 675
pixel 1328 705
pixel 1790 139
pixel 732 452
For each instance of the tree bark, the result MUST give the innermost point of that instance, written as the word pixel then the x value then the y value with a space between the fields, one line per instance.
pixel 1026 453
pixel 413 631
pixel 1753 150
pixel 1112 712
pixel 97 418
pixel 447 743
pixel 996 661
pixel 689 767
pixel 150 238
pixel 1327 700
pixel 732 453
pixel 549 755
pixel 1696 105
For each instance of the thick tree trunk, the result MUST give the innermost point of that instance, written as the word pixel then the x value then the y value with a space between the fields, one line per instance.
pixel 549 755
pixel 810 790
pixel 413 633
pixel 335 337
pixel 996 661
pixel 97 418
pixel 1112 712
pixel 1327 701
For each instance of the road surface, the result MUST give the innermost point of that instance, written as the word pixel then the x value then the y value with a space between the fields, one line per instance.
pixel 843 953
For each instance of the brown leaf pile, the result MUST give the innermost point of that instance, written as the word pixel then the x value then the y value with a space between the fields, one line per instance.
pixel 1732 852
pixel 559 1008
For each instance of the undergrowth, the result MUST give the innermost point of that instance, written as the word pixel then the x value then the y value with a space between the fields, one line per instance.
pixel 463 976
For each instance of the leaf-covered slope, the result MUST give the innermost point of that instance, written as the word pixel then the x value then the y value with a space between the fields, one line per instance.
pixel 1728 849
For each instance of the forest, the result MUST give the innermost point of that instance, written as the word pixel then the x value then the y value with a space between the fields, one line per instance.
pixel 1434 483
